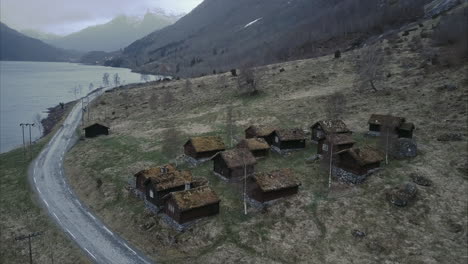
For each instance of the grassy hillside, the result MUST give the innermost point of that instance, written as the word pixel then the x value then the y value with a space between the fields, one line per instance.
pixel 20 214
pixel 150 123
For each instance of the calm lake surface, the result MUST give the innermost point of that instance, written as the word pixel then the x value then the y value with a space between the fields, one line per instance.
pixel 29 88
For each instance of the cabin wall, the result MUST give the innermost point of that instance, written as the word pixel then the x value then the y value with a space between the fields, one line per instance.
pixel 317 133
pixel 220 167
pixel 405 133
pixel 296 144
pixel 257 194
pixel 197 213
pixel 171 210
pixel 189 150
pixel 95 131
pixel 261 153
pixel 139 183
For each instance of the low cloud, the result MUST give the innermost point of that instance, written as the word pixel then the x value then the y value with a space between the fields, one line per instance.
pixel 65 16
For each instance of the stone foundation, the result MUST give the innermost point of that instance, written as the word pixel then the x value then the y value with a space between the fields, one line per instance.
pixel 349 177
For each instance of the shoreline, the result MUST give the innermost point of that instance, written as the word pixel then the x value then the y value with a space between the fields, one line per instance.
pixel 54 115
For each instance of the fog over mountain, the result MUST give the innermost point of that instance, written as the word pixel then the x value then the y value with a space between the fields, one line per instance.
pixel 111 36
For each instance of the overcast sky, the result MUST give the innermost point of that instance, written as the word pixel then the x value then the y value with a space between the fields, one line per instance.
pixel 66 16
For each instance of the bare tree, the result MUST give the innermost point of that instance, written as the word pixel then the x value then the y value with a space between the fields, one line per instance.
pixel 144 77
pixel 91 87
pixel 105 79
pixel 172 143
pixel 229 126
pixel 369 65
pixel 335 105
pixel 116 79
pixel 38 121
pixel 249 80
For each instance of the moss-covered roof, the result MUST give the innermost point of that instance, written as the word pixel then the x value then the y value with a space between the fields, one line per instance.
pixel 340 139
pixel 156 171
pixel 291 134
pixel 364 155
pixel 235 158
pixel 332 126
pixel 165 181
pixel 391 121
pixel 195 198
pixel 407 126
pixel 261 131
pixel 207 144
pixel 254 144
pixel 276 180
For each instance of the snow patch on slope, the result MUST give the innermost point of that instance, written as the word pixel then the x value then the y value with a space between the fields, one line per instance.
pixel 253 22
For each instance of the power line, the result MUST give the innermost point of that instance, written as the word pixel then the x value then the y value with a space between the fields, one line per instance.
pixel 28 237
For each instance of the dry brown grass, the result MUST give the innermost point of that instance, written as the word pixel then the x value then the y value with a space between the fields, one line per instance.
pixel 315 225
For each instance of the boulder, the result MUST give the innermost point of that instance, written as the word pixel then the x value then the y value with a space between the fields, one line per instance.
pixel 358 234
pixel 404 148
pixel 420 180
pixel 402 195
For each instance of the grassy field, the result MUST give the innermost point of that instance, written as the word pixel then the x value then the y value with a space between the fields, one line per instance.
pixel 314 226
pixel 21 214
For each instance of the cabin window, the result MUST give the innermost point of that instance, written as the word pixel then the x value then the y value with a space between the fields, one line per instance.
pixel 325 147
pixel 171 208
pixel 276 139
pixel 151 194
pixel 319 133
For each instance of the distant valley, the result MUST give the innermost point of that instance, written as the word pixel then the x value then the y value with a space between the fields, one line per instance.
pixel 112 36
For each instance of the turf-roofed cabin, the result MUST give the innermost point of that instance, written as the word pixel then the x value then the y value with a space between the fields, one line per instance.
pixel 268 186
pixel 289 139
pixel 359 161
pixel 160 185
pixel 258 146
pixel 234 163
pixel 398 125
pixel 189 205
pixel 323 128
pixel 204 147
pixel 95 130
pixel 142 176
pixel 335 143
pixel 264 132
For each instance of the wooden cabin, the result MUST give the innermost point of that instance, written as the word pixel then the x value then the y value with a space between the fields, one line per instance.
pixel 405 130
pixel 398 125
pixel 156 187
pixel 323 128
pixel 376 122
pixel 143 175
pixel 264 132
pixel 289 139
pixel 336 143
pixel 95 130
pixel 189 205
pixel 258 146
pixel 204 147
pixel 273 185
pixel 230 163
pixel 359 161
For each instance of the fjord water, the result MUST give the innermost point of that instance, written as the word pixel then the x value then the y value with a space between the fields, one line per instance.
pixel 29 88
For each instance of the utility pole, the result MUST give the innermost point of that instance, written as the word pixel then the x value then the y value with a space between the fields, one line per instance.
pixel 331 160
pixel 245 185
pixel 28 237
pixel 24 144
pixel 30 139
